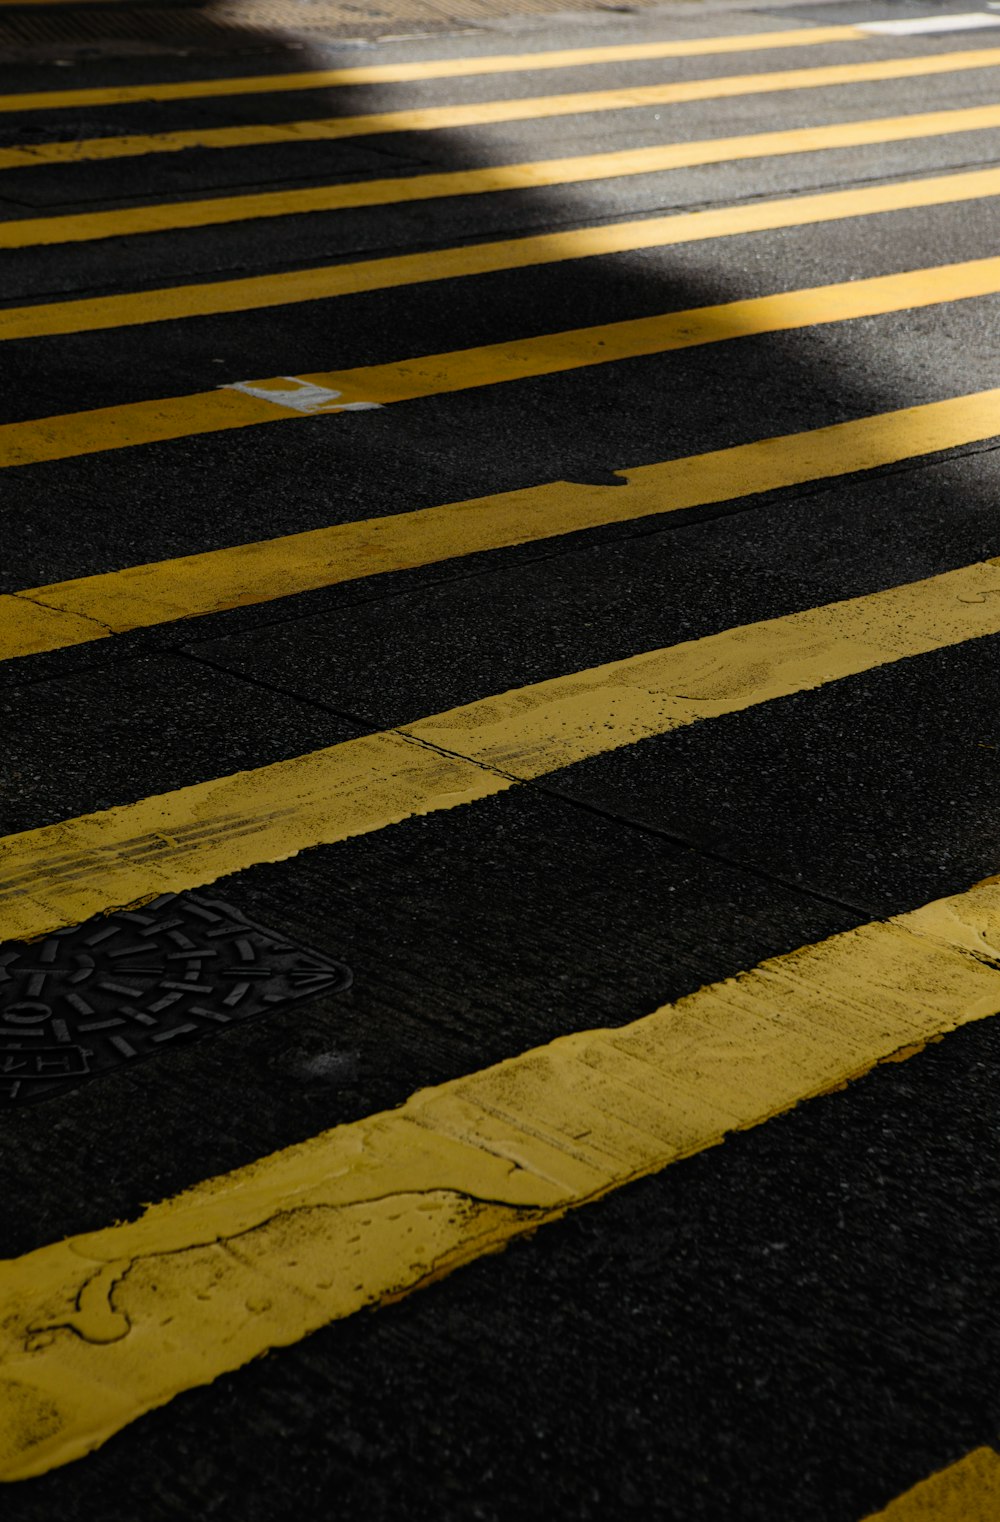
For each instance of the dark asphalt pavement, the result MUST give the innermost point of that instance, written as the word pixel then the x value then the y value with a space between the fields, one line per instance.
pixel 796 1326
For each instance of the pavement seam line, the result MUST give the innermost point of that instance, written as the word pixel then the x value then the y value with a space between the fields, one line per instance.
pixel 369 1212
pixel 748 868
pixel 32 625
pixel 364 723
pixel 46 607
pixel 63 873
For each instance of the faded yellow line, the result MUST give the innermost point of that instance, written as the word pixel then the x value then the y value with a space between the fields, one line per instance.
pixel 61 874
pixel 534 174
pixel 325 283
pixel 967 1491
pixel 434 68
pixel 87 608
pixel 102 1327
pixel 678 155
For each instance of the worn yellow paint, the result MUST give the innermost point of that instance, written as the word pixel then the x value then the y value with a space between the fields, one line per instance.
pixel 212 211
pixel 967 1491
pixel 104 1326
pixel 253 293
pixel 432 68
pixel 139 597
pixel 61 874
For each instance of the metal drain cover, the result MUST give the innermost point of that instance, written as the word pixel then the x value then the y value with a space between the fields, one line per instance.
pixel 123 987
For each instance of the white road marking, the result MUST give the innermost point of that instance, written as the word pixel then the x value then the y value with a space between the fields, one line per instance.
pixel 968 21
pixel 305 398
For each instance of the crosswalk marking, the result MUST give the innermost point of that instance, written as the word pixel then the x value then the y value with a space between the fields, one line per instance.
pixel 22 232
pixel 111 1324
pixel 137 597
pixel 102 1327
pixel 61 874
pixel 967 1491
pixel 22 442
pixel 215 211
pixel 425 69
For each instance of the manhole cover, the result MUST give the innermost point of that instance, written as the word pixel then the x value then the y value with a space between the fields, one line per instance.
pixel 126 986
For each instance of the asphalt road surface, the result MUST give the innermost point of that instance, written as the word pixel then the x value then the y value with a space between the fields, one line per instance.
pixel 503 860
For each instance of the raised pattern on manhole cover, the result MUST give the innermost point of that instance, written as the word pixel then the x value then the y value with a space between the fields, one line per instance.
pixel 125 986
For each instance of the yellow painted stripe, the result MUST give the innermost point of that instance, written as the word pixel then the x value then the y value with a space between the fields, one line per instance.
pixel 434 68
pixel 26 232
pixel 968 1491
pixel 101 1327
pixel 93 607
pixel 251 294
pixel 61 874
pixel 213 211
pixel 678 155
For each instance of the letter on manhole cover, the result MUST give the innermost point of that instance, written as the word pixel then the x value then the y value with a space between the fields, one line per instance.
pixel 124 986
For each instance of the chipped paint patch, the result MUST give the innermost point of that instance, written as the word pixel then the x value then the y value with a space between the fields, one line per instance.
pixel 28 626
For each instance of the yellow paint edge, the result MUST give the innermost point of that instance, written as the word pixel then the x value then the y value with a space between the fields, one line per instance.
pixel 105 1326
pixel 325 283
pixel 440 68
pixel 138 597
pixel 61 874
pixel 967 1491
